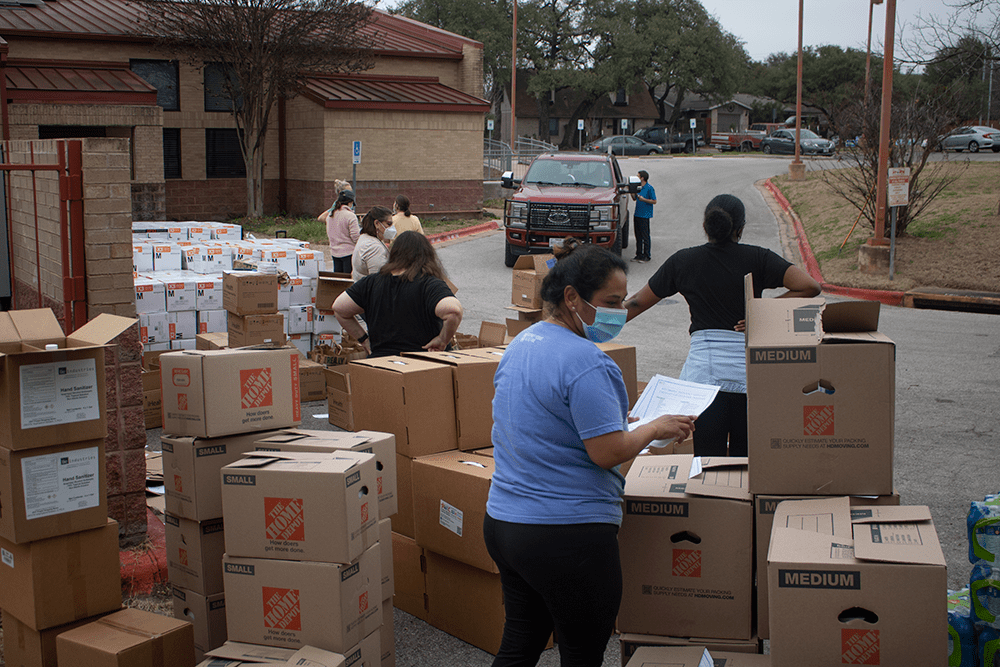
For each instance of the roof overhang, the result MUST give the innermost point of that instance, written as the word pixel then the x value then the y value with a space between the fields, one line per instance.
pixel 390 93
pixel 63 82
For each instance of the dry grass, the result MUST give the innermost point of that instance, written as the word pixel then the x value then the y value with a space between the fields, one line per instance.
pixel 954 244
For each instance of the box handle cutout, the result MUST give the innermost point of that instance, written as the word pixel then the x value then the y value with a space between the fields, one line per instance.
pixel 685 536
pixel 474 464
pixel 820 386
pixel 379 466
pixel 858 614
pixel 362 492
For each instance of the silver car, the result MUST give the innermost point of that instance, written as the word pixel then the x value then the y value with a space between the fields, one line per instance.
pixel 783 142
pixel 971 137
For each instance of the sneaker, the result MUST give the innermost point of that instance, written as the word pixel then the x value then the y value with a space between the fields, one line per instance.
pixel 638 259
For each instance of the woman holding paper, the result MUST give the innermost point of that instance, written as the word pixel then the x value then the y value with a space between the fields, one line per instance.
pixel 710 277
pixel 559 434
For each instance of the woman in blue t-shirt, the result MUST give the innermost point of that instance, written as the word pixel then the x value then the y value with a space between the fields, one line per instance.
pixel 710 277
pixel 559 434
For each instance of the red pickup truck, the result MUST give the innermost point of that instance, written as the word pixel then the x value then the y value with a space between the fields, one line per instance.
pixel 567 194
pixel 744 141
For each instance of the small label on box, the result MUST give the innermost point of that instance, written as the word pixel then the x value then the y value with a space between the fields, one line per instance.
pixel 451 518
pixel 7 558
pixel 63 392
pixel 61 482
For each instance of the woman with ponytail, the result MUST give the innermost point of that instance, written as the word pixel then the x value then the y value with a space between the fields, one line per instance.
pixel 402 219
pixel 710 277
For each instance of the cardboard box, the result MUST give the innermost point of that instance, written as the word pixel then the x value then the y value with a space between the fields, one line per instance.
pixel 301 506
pixel 297 603
pixel 239 654
pixel 630 643
pixel 402 521
pixel 183 325
pixel 152 409
pixel 142 257
pixel 207 616
pixel 50 397
pixel 183 344
pixel 201 396
pixel 249 330
pixel 24 646
pixel 409 566
pixel 128 638
pixel 213 321
pixel 209 293
pixel 52 491
pixel 687 548
pixel 303 343
pixel 821 384
pixel 492 334
pixel 381 445
pixel 330 285
pixel 296 292
pixel 526 280
pixel 250 292
pixel 449 505
pixel 338 397
pixel 154 329
pixel 525 318
pixel 181 293
pixel 150 296
pixel 194 553
pixel 312 381
pixel 876 599
pixel 624 357
pixel 764 508
pixel 385 542
pixel 465 601
pixel 300 319
pixel 388 635
pixel 324 322
pixel 167 257
pixel 693 656
pixel 61 579
pixel 472 377
pixel 212 341
pixel 191 472
pixel 411 398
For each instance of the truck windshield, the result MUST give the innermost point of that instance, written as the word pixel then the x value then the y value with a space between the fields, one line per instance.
pixel 569 172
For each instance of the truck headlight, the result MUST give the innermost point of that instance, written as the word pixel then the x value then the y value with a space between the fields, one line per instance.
pixel 601 216
pixel 517 213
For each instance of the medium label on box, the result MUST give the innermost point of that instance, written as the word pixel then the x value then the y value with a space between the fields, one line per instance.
pixel 61 482
pixel 7 558
pixel 451 518
pixel 62 392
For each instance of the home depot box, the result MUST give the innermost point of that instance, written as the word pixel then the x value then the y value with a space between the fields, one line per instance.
pixel 24 646
pixel 402 521
pixel 194 553
pixel 526 279
pixel 52 491
pixel 249 292
pixel 381 445
pixel 877 599
pixel 50 397
pixel 201 396
pixel 411 398
pixel 409 566
pixel 821 383
pixel 206 614
pixel 465 601
pixel 387 656
pixel 315 506
pixel 687 548
pixel 191 472
pixel 630 643
pixel 764 508
pixel 128 638
pixel 338 397
pixel 239 654
pixel 288 603
pixel 312 381
pixel 693 656
pixel 472 378
pixel 246 330
pixel 385 543
pixel 449 505
pixel 50 582
pixel 212 341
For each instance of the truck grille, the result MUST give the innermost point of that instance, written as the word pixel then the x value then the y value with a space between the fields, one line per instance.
pixel 559 217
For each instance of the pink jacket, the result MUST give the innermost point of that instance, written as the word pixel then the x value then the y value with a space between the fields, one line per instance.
pixel 343 231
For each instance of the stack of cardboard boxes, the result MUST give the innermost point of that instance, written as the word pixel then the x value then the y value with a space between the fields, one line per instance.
pixel 251 300
pixel 526 293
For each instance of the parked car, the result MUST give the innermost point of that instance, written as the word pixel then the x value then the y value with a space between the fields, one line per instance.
pixel 662 135
pixel 783 141
pixel 971 137
pixel 624 145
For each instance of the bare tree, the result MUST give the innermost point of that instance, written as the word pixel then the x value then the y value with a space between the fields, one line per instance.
pixel 264 50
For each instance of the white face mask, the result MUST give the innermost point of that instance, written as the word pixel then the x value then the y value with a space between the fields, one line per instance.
pixel 389 234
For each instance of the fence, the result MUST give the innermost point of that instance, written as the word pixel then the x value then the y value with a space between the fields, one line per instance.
pixel 499 157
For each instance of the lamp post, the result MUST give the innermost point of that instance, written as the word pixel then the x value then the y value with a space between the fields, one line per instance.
pixel 868 55
pixel 797 170
pixel 513 80
pixel 883 140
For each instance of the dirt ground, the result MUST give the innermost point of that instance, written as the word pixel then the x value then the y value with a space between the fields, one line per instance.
pixel 953 244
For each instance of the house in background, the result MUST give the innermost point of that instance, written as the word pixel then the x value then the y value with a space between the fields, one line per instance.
pixel 71 69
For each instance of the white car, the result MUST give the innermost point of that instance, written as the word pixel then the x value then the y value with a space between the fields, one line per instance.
pixel 973 138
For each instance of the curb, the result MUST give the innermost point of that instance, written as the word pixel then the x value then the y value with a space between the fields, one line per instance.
pixel 459 233
pixel 888 297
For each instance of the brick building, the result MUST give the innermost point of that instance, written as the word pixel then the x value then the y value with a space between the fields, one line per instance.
pixel 71 68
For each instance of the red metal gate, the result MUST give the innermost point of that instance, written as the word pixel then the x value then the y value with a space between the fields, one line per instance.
pixel 69 296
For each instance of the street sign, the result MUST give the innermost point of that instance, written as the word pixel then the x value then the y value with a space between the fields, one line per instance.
pixel 579 123
pixel 489 125
pixel 899 186
pixel 693 123
pixel 624 123
pixel 357 152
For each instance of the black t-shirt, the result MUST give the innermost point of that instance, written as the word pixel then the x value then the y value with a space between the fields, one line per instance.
pixel 710 277
pixel 399 313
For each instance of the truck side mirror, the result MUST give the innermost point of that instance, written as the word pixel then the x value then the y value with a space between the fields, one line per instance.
pixel 508 181
pixel 633 185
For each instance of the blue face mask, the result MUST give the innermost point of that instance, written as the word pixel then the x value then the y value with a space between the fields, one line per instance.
pixel 608 323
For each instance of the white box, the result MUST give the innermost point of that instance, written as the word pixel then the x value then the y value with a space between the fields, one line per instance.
pixel 154 329
pixel 157 347
pixel 209 293
pixel 324 321
pixel 301 342
pixel 309 262
pixel 182 292
pixel 183 325
pixel 299 319
pixel 177 232
pixel 283 258
pixel 185 344
pixel 142 257
pixel 300 290
pixel 150 296
pixel 330 338
pixel 166 257
pixel 198 232
pixel 213 321
pixel 224 231
pixel 211 259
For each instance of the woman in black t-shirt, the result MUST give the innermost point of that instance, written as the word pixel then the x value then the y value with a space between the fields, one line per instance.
pixel 710 277
pixel 407 305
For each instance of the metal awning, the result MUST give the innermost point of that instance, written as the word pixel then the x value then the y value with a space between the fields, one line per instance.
pixel 391 93
pixel 91 83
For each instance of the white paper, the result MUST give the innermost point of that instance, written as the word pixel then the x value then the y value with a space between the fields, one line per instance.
pixel 61 392
pixel 669 396
pixel 61 482
pixel 451 518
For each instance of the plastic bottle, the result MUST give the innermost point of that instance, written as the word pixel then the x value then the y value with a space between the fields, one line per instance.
pixel 984 591
pixel 962 650
pixel 983 524
pixel 989 647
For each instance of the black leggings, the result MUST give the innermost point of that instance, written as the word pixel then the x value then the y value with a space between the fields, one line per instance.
pixel 566 578
pixel 723 423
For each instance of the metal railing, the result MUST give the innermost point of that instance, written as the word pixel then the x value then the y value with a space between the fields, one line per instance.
pixel 499 157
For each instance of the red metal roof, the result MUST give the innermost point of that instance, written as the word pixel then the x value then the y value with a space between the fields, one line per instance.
pixel 392 93
pixel 96 83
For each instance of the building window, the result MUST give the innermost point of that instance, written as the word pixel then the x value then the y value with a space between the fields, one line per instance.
pixel 223 158
pixel 219 83
pixel 162 75
pixel 70 131
pixel 621 98
pixel 171 152
pixel 553 127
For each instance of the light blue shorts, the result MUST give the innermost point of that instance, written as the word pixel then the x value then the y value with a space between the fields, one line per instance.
pixel 717 357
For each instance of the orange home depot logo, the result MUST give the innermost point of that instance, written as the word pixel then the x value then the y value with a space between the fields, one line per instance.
pixel 363 602
pixel 281 608
pixel 860 647
pixel 256 390
pixel 284 519
pixel 182 402
pixel 378 484
pixel 181 377
pixel 178 484
pixel 364 512
pixel 687 563
pixel 182 556
pixel 817 420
